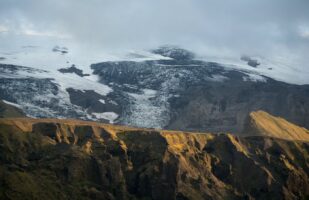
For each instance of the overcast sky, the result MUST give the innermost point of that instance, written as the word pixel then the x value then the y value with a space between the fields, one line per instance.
pixel 272 28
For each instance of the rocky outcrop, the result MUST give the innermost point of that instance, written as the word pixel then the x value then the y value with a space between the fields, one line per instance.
pixel 74 70
pixel 251 62
pixel 70 159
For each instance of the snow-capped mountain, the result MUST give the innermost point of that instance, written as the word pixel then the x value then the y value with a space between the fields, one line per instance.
pixel 165 88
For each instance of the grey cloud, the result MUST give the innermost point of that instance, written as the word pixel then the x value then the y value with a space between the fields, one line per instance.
pixel 230 27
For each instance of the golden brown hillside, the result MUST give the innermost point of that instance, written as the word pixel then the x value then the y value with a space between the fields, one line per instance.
pixel 7 110
pixel 70 159
pixel 263 124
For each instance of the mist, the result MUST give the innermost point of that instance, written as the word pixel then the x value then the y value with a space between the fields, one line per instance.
pixel 277 29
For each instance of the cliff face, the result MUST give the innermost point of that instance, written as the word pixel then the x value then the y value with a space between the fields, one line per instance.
pixel 69 159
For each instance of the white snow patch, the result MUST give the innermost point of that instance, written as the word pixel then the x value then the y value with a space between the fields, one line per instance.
pixel 278 68
pixel 92 77
pixel 147 94
pixel 12 104
pixel 64 80
pixel 139 56
pixel 80 83
pixel 110 116
pixel 113 102
pixel 218 78
pixel 146 111
pixel 150 93
pixel 102 101
pixel 254 77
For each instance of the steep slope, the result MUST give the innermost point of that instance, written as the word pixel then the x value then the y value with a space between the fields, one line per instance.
pixel 7 110
pixel 70 159
pixel 263 124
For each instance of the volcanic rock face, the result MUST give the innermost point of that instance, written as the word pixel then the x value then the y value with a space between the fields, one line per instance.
pixel 188 94
pixel 66 159
pixel 73 69
pixel 201 97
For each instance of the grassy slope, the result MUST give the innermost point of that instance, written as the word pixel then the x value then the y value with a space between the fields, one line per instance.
pixel 10 111
pixel 263 124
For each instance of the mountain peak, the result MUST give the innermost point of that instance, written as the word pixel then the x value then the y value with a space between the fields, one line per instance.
pixel 263 123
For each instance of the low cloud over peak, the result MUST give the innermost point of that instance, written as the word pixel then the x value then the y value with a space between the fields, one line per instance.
pixel 277 28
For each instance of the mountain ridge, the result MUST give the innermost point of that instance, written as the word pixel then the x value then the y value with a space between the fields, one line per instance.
pixel 72 159
pixel 259 123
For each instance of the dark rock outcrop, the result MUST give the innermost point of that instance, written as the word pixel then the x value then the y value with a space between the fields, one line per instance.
pixel 251 62
pixel 73 69
pixel 62 50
